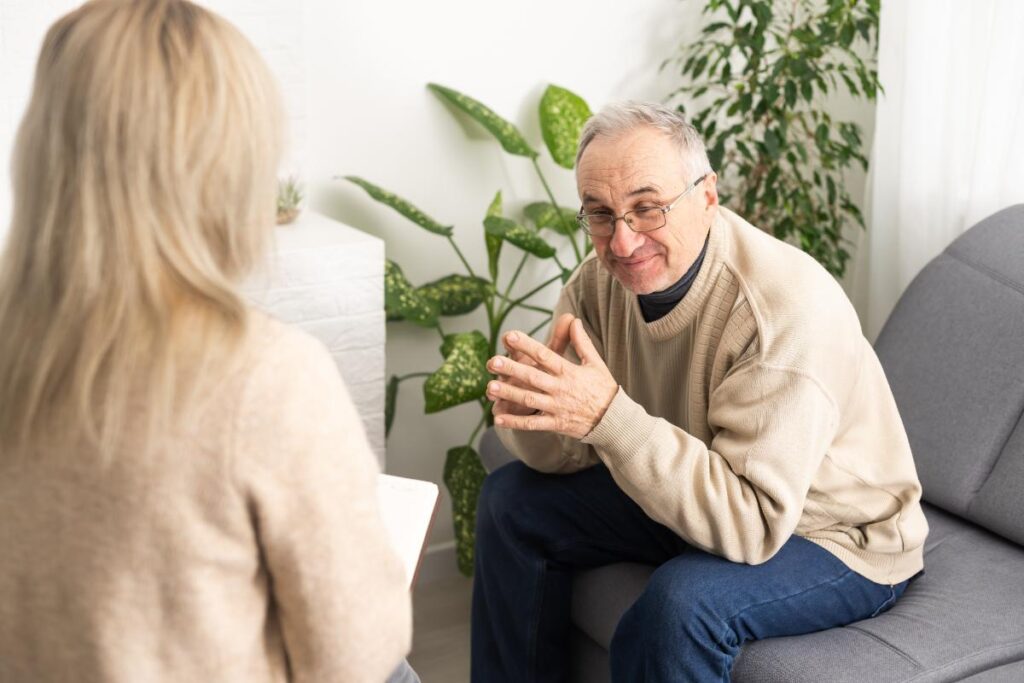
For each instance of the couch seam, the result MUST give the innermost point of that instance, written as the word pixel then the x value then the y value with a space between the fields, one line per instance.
pixel 969 657
pixel 1003 280
pixel 995 461
pixel 985 270
pixel 882 641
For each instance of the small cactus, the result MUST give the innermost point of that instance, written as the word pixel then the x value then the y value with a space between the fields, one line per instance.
pixel 289 197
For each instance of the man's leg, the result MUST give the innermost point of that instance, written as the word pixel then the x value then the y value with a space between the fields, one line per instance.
pixel 532 531
pixel 698 609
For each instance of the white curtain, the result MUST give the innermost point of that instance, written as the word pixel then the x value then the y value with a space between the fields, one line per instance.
pixel 949 137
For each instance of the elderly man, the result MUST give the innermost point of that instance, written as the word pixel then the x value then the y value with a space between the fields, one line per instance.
pixel 708 404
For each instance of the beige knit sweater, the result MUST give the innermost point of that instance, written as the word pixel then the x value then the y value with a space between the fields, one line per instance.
pixel 246 548
pixel 753 411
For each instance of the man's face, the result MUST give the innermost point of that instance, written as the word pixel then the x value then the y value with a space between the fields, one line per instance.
pixel 643 167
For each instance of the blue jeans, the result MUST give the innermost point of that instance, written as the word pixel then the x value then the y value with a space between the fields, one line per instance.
pixel 534 530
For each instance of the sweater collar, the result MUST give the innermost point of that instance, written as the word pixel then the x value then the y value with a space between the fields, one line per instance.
pixel 658 304
pixel 686 311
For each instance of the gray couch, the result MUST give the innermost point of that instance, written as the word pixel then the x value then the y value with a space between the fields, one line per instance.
pixel 953 350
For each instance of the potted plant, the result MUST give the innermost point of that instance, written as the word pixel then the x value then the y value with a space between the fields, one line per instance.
pixel 462 375
pixel 755 84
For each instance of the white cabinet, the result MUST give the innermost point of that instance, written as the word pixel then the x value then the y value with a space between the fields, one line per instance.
pixel 328 278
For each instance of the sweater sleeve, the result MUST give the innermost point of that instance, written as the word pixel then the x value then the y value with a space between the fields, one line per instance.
pixel 337 590
pixel 546 451
pixel 742 497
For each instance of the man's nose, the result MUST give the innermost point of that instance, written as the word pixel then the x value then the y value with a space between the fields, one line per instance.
pixel 624 241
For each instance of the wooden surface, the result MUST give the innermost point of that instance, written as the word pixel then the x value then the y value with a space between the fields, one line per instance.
pixel 440 649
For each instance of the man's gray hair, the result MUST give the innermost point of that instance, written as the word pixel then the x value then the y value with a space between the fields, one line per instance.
pixel 622 117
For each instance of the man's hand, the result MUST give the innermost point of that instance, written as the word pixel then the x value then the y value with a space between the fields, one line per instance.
pixel 572 398
pixel 558 343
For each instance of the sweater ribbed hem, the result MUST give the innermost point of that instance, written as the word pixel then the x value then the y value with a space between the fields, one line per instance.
pixel 880 568
pixel 623 430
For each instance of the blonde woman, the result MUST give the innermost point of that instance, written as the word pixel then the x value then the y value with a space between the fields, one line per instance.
pixel 186 493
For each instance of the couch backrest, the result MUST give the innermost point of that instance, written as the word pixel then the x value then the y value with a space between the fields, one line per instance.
pixel 953 350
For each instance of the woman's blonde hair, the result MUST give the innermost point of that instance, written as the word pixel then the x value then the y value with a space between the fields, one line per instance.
pixel 144 178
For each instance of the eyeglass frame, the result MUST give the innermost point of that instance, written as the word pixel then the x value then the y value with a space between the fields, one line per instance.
pixel 583 223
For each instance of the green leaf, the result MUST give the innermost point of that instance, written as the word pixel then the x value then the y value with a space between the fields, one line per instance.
pixel 494 242
pixel 464 477
pixel 711 28
pixel 544 215
pixel 771 143
pixel 512 141
pixel 402 302
pixel 790 94
pixel 456 294
pixel 462 377
pixel 562 115
pixel 401 206
pixel 519 235
pixel 390 395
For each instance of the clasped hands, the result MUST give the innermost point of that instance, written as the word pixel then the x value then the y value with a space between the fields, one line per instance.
pixel 539 390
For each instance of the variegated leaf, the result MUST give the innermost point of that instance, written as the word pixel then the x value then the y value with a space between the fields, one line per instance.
pixel 494 242
pixel 464 477
pixel 512 141
pixel 462 377
pixel 519 235
pixel 562 115
pixel 402 302
pixel 544 215
pixel 402 206
pixel 456 294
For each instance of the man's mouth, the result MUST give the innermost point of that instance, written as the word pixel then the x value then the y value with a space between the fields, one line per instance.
pixel 634 262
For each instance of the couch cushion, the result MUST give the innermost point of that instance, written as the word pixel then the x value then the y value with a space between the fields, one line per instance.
pixel 964 616
pixel 953 353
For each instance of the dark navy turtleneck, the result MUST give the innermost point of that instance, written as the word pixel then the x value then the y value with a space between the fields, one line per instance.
pixel 658 304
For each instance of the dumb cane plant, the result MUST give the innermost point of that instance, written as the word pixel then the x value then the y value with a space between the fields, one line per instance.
pixel 463 376
pixel 755 80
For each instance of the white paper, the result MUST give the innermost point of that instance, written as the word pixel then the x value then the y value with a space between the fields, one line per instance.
pixel 407 506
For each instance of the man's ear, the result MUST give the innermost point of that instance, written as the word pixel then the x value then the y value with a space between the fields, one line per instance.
pixel 710 186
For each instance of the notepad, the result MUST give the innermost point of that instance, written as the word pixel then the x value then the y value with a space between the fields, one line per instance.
pixel 408 507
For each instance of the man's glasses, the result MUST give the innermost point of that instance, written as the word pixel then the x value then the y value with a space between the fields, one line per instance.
pixel 642 219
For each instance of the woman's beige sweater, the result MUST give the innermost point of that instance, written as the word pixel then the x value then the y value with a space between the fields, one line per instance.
pixel 248 547
pixel 753 411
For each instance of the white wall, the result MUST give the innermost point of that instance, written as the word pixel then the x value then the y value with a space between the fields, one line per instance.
pixel 354 77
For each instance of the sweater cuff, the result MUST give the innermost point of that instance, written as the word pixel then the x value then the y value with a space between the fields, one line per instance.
pixel 625 428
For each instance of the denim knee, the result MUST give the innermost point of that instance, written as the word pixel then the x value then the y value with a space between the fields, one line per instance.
pixel 502 492
pixel 669 608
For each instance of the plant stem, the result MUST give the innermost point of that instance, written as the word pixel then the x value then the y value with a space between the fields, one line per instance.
pixel 462 258
pixel 515 276
pixel 414 374
pixel 440 330
pixel 558 212
pixel 538 309
pixel 538 327
pixel 520 300
pixel 559 262
pixel 476 430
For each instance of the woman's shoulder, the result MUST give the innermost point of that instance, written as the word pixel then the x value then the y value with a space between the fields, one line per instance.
pixel 284 360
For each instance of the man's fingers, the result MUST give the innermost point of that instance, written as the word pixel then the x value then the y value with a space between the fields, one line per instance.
pixel 502 407
pixel 523 397
pixel 540 353
pixel 585 348
pixel 531 423
pixel 560 333
pixel 520 374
